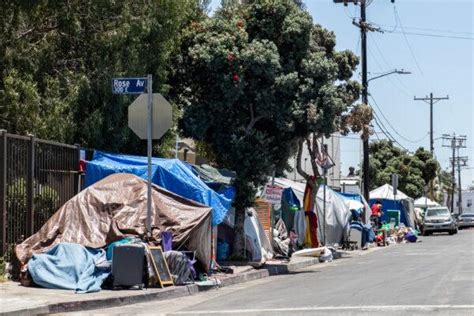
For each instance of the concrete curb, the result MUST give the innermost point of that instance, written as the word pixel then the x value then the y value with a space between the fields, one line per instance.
pixel 275 269
pixel 167 293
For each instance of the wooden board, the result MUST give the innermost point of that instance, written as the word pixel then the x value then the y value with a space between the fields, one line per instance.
pixel 160 266
pixel 264 214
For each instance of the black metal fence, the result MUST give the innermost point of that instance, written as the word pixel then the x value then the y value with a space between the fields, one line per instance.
pixel 36 178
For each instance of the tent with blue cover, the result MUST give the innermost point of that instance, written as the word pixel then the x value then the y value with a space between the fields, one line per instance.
pixel 355 201
pixel 171 174
pixel 399 202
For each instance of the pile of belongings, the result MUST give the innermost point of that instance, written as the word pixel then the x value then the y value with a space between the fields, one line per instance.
pixel 72 243
pixel 284 245
pixel 397 235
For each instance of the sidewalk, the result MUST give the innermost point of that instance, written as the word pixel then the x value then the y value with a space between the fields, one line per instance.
pixel 18 300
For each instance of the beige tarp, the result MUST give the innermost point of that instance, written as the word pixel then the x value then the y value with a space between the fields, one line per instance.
pixel 115 208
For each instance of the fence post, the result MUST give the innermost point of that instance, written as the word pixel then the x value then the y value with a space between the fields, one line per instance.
pixel 78 177
pixel 3 192
pixel 30 188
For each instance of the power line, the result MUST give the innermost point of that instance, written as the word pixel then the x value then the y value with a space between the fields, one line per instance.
pixel 393 128
pixel 433 35
pixel 385 131
pixel 395 27
pixel 402 86
pixel 407 42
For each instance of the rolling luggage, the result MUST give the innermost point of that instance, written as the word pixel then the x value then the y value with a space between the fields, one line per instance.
pixel 129 266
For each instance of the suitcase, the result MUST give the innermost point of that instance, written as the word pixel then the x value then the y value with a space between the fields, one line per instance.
pixel 129 266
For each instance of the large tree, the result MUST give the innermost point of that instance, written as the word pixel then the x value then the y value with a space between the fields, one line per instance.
pixel 253 81
pixel 416 170
pixel 57 59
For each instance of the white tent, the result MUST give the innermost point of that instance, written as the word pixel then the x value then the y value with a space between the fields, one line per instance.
pixel 337 216
pixel 386 192
pixel 297 187
pixel 425 202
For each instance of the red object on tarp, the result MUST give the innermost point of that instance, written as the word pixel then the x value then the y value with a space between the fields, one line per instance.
pixel 82 165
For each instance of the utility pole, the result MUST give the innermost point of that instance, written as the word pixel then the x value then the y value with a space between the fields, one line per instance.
pixel 431 101
pixel 460 162
pixel 455 142
pixel 364 28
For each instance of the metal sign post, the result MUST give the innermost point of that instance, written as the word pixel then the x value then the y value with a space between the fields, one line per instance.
pixel 152 108
pixel 149 151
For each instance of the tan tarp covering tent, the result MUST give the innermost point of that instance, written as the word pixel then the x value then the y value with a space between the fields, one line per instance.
pixel 114 208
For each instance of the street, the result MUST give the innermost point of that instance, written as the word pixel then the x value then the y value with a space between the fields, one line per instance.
pixel 435 276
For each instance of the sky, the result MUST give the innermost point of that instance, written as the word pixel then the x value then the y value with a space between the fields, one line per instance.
pixel 432 39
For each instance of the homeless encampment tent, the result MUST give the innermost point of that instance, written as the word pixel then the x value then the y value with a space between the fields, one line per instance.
pixel 349 197
pixel 257 244
pixel 399 202
pixel 171 174
pixel 298 211
pixel 337 213
pixel 425 202
pixel 116 207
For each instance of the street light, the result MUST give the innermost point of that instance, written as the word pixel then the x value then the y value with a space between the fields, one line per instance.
pixel 395 71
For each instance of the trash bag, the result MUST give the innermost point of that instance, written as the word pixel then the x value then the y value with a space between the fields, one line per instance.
pixel 181 268
pixel 411 236
pixel 326 256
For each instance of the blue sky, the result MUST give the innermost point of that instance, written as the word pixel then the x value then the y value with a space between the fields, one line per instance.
pixel 438 64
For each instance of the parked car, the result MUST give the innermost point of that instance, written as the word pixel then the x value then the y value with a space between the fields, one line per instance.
pixel 466 220
pixel 439 219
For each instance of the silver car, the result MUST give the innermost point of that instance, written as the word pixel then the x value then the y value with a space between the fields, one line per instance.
pixel 439 219
pixel 466 220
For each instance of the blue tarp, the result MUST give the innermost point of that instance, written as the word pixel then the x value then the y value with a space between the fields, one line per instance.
pixel 171 174
pixel 352 196
pixel 70 266
pixel 392 205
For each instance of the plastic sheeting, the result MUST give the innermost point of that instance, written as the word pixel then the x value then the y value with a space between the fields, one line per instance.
pixel 337 216
pixel 359 198
pixel 171 174
pixel 115 208
pixel 210 174
pixel 256 241
pixel 405 206
pixel 71 267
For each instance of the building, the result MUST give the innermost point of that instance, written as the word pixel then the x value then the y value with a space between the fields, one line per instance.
pixel 467 202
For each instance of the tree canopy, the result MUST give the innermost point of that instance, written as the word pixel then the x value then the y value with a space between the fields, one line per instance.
pixel 57 59
pixel 255 79
pixel 416 170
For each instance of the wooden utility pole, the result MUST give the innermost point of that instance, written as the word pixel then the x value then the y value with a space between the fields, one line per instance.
pixel 431 101
pixel 460 162
pixel 364 28
pixel 454 142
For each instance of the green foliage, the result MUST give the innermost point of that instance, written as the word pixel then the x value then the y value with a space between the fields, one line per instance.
pixel 57 59
pixel 256 78
pixel 3 271
pixel 45 199
pixel 415 170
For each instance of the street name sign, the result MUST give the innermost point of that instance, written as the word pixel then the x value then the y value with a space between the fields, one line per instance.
pixel 162 116
pixel 129 85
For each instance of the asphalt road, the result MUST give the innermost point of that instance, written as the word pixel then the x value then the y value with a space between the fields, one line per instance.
pixel 434 276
